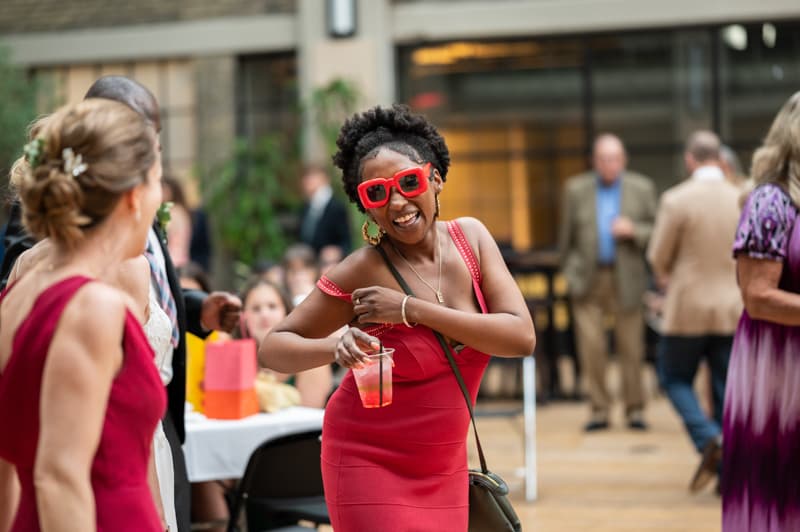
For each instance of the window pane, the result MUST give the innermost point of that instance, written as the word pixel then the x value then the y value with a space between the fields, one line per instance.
pixel 759 70
pixel 268 96
pixel 512 114
pixel 652 90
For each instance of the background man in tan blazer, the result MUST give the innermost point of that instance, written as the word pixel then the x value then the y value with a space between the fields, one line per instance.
pixel 606 220
pixel 690 253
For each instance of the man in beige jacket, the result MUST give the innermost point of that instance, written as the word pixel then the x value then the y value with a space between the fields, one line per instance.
pixel 606 220
pixel 690 253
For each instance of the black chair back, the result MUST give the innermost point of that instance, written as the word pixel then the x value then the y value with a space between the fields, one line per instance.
pixel 282 484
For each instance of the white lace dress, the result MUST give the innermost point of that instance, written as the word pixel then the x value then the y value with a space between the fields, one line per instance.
pixel 159 332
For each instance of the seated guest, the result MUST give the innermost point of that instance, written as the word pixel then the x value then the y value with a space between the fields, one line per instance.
pixel 300 272
pixel 265 305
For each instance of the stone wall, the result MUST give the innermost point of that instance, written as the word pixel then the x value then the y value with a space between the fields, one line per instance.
pixel 25 16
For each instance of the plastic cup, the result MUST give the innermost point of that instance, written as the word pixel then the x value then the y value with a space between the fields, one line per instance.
pixel 374 380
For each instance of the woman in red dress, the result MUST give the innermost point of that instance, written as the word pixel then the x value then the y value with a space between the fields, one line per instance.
pixel 403 467
pixel 80 396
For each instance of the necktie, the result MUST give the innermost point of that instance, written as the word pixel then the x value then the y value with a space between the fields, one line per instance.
pixel 165 299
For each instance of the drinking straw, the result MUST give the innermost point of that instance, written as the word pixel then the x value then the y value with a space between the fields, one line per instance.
pixel 380 379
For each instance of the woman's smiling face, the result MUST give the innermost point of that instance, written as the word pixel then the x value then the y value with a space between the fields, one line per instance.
pixel 404 219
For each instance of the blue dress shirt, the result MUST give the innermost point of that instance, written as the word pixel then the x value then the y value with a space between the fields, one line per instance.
pixel 608 207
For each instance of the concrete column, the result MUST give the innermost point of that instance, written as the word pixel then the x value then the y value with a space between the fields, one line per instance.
pixel 215 78
pixel 366 59
pixel 216 109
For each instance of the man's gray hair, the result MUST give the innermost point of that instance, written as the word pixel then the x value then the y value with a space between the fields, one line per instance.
pixel 703 146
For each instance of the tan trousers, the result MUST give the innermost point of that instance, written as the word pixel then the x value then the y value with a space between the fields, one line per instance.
pixel 590 335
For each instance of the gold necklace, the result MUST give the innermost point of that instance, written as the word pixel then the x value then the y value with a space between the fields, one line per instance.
pixel 437 291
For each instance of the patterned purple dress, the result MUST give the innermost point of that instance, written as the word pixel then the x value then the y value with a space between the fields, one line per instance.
pixel 761 425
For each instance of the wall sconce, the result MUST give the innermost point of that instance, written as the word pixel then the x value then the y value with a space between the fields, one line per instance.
pixel 341 18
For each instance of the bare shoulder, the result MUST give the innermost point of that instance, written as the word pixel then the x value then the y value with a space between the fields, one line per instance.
pixel 87 348
pixel 99 298
pixel 477 234
pixel 96 312
pixel 357 270
pixel 33 257
pixel 132 275
pixel 137 266
pixel 133 278
pixel 473 228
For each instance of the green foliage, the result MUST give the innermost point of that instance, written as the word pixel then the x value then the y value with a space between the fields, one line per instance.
pixel 246 197
pixel 330 106
pixel 255 190
pixel 17 110
pixel 163 215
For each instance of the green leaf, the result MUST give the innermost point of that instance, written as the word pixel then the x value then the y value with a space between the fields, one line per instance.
pixel 18 95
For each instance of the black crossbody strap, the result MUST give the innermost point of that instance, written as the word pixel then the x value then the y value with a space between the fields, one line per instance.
pixel 448 354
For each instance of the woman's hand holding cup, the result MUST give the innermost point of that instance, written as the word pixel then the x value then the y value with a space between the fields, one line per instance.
pixel 354 346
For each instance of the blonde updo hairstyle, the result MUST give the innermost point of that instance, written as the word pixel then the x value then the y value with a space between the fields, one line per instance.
pixel 116 144
pixel 778 158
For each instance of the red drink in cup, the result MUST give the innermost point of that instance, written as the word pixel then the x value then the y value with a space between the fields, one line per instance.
pixel 374 380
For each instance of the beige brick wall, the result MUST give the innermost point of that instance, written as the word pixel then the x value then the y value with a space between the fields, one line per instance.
pixel 24 16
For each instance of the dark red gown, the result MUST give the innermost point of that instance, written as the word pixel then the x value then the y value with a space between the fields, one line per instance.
pixel 123 501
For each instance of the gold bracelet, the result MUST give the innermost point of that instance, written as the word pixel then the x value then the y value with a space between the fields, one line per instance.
pixel 403 312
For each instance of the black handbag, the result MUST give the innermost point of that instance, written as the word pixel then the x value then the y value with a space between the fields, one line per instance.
pixel 489 507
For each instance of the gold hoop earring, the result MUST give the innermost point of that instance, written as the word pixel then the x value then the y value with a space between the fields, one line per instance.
pixel 368 238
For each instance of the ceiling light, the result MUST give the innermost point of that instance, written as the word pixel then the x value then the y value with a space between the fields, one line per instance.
pixel 770 34
pixel 735 36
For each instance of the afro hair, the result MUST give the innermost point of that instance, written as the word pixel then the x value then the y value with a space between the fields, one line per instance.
pixel 395 128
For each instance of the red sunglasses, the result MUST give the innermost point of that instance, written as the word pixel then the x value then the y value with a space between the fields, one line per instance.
pixel 410 183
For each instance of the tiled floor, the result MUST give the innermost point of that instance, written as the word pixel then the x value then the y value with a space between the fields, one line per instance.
pixel 613 481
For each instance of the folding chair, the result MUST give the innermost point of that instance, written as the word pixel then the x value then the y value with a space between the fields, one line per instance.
pixel 282 485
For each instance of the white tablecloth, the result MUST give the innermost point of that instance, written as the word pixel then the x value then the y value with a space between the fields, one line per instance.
pixel 219 449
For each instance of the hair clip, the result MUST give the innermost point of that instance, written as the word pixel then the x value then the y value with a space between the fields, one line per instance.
pixel 73 164
pixel 34 151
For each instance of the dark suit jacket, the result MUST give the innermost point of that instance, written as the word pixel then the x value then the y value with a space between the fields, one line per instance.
pixel 333 227
pixel 188 303
pixel 200 245
pixel 15 240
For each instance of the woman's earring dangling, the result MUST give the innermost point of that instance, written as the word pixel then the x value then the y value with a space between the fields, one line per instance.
pixel 368 238
pixel 438 206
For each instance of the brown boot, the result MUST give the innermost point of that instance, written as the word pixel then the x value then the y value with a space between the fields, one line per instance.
pixel 709 465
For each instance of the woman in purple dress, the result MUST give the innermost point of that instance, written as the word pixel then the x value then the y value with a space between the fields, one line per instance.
pixel 761 463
